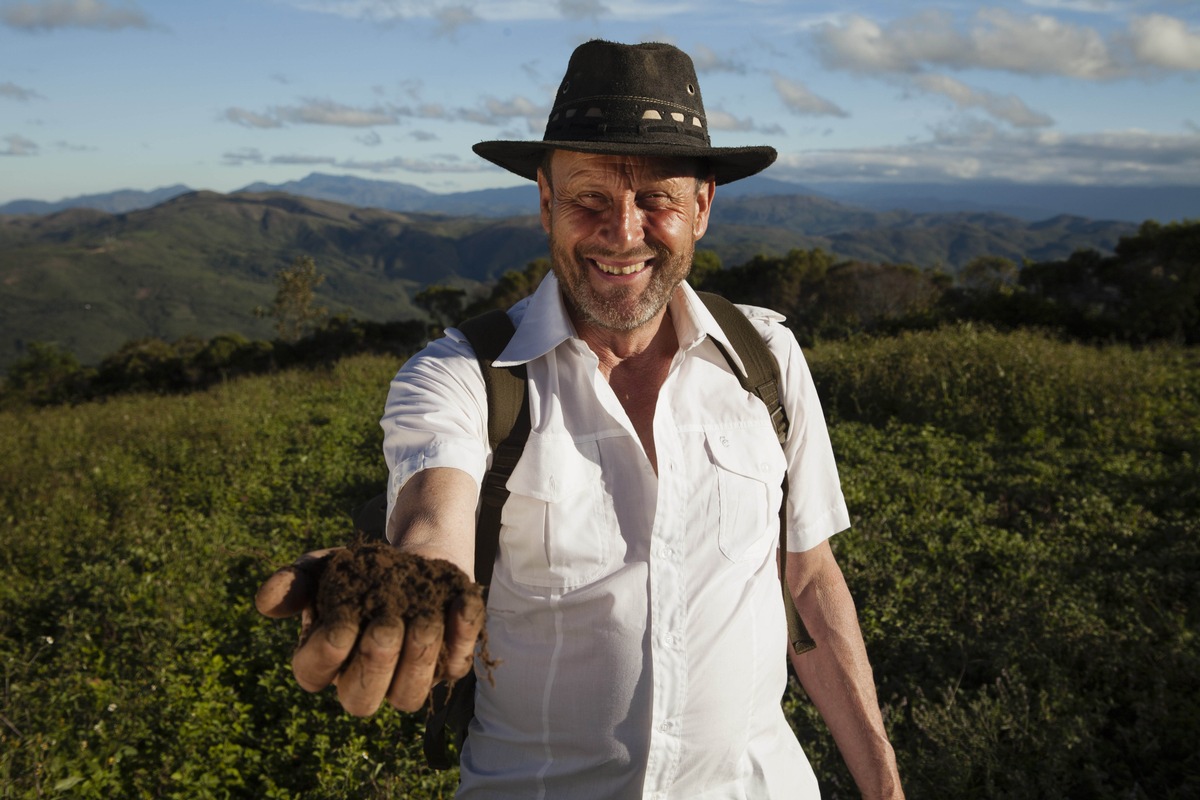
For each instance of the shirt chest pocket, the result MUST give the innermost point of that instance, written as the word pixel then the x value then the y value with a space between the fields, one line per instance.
pixel 749 466
pixel 558 525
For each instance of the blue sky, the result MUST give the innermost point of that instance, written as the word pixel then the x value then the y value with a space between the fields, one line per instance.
pixel 98 95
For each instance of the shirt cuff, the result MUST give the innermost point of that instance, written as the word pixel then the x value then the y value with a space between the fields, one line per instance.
pixel 806 537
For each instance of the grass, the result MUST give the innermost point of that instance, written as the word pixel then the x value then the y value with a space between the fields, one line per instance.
pixel 1025 557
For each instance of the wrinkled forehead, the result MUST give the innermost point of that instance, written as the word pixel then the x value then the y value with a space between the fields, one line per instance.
pixel 568 164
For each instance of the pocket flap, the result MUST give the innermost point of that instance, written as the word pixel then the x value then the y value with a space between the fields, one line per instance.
pixel 553 468
pixel 749 452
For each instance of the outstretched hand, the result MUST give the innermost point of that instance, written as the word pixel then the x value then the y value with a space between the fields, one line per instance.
pixel 387 657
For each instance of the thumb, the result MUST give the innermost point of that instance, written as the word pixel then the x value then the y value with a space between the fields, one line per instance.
pixel 290 590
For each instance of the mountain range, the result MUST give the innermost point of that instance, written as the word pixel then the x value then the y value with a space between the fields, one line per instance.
pixel 1029 202
pixel 199 263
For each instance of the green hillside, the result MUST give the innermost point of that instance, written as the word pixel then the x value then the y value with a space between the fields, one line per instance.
pixel 198 264
pixel 1025 557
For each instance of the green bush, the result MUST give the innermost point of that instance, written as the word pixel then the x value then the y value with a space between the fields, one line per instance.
pixel 1025 556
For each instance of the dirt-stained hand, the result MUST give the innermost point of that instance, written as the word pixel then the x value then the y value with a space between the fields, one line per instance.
pixel 377 623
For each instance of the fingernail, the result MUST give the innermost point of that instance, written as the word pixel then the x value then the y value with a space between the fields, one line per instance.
pixel 386 635
pixel 426 631
pixel 341 636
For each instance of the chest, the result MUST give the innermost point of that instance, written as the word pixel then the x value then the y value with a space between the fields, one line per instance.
pixel 585 499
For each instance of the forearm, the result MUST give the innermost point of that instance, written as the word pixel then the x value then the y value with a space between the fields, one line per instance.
pixel 837 677
pixel 434 517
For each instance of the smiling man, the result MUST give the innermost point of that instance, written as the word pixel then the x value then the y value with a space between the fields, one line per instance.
pixel 635 604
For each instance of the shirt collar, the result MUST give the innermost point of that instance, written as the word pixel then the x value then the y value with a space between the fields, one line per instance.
pixel 543 324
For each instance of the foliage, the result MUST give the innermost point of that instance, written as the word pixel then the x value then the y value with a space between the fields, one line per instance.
pixel 511 287
pixel 136 532
pixel 443 303
pixel 48 376
pixel 1148 291
pixel 294 310
pixel 45 374
pixel 1025 556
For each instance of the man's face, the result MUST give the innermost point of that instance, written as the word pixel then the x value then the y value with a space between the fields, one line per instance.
pixel 622 232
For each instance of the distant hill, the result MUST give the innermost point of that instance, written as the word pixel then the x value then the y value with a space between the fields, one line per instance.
pixel 113 202
pixel 1026 202
pixel 201 262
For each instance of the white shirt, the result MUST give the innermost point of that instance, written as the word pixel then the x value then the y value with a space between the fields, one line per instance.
pixel 638 618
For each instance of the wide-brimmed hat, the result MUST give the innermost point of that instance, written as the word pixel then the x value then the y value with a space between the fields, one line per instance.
pixel 635 100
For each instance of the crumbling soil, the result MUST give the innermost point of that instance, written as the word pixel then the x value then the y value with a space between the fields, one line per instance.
pixel 373 581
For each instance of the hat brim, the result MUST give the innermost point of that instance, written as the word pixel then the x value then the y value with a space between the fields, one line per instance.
pixel 728 164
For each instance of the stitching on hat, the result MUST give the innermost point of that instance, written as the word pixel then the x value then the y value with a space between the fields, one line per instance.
pixel 652 101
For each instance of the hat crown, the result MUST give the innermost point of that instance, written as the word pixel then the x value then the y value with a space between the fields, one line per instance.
pixel 629 93
pixel 629 100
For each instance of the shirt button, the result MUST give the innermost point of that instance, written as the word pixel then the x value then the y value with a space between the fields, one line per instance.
pixel 666 727
pixel 725 441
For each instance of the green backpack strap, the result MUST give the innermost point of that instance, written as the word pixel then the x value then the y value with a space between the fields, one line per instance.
pixel 508 428
pixel 761 379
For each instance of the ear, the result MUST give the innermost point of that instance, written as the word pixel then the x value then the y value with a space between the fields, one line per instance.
pixel 704 199
pixel 545 199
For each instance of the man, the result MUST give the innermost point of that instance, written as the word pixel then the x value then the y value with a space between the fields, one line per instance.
pixel 635 604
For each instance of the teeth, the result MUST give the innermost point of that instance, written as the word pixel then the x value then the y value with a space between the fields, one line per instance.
pixel 629 270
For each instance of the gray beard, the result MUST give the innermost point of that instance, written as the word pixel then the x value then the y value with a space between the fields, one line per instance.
pixel 618 311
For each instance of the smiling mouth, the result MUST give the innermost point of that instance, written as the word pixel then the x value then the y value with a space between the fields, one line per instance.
pixel 618 269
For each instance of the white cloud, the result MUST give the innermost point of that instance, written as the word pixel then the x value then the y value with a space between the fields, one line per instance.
pixel 581 9
pixel 304 160
pixel 1039 45
pixel 799 99
pixel 1082 6
pixel 1007 108
pixel 313 112
pixel 985 151
pixel 52 14
pixel 1165 42
pixel 327 112
pixel 495 111
pixel 18 146
pixel 719 120
pixel 451 18
pixel 998 39
pixel 245 155
pixel 13 92
pixel 705 59
pixel 250 119
pixel 400 164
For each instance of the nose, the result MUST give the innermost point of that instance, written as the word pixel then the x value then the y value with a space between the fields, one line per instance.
pixel 625 222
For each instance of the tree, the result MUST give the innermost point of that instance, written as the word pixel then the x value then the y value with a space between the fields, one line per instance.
pixel 294 311
pixel 443 303
pixel 989 274
pixel 45 374
pixel 511 287
pixel 706 265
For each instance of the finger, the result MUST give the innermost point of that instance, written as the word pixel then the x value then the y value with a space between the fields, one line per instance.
pixel 364 684
pixel 464 621
pixel 418 663
pixel 318 660
pixel 286 592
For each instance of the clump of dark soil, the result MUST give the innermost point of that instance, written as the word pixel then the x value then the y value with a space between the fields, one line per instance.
pixel 373 581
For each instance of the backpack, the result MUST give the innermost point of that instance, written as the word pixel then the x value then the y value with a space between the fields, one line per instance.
pixel 452 707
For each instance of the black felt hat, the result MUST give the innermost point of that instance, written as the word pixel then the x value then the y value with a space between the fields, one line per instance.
pixel 634 100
